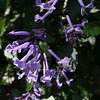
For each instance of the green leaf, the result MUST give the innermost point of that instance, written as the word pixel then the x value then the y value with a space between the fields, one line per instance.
pixel 44 46
pixel 8 55
pixel 50 98
pixel 9 68
pixel 92 29
pixel 4 5
pixel 28 86
pixel 92 40
pixel 94 10
pixel 87 95
pixel 2 26
pixel 74 8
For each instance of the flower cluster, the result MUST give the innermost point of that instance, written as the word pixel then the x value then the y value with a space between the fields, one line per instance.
pixel 34 94
pixel 49 6
pixel 70 33
pixel 29 65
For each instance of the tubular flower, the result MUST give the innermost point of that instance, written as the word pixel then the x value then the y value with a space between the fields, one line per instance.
pixel 83 7
pixel 49 6
pixel 70 33
pixel 34 94
pixel 29 64
pixel 64 67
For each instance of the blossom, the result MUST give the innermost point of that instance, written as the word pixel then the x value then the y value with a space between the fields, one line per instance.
pixel 67 80
pixel 10 47
pixel 47 73
pixel 16 47
pixel 38 2
pixel 64 67
pixel 63 61
pixel 46 5
pixel 19 33
pixel 38 17
pixel 70 33
pixel 83 7
pixel 49 6
pixel 41 33
pixel 20 75
pixel 21 63
pixel 58 82
pixel 34 94
pixel 30 67
pixel 32 77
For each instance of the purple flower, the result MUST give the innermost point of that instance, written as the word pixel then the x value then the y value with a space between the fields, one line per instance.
pixel 65 60
pixel 21 97
pixel 47 77
pixel 10 47
pixel 54 55
pixel 64 67
pixel 24 40
pixel 34 63
pixel 70 33
pixel 38 2
pixel 30 67
pixel 15 46
pixel 20 75
pixel 18 63
pixel 58 82
pixel 83 7
pixel 41 33
pixel 62 63
pixel 77 29
pixel 83 23
pixel 48 6
pixel 33 66
pixel 33 94
pixel 38 17
pixel 47 73
pixel 19 33
pixel 32 77
pixel 65 64
pixel 36 91
pixel 22 63
pixel 67 81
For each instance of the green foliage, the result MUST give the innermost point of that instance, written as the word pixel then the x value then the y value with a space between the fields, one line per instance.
pixel 28 86
pixel 92 29
pixel 2 26
pixel 3 5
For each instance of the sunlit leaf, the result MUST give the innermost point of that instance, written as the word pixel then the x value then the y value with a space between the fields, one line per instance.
pixel 2 26
pixel 28 86
pixel 8 55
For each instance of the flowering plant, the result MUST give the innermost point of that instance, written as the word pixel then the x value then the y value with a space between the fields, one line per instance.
pixel 30 59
